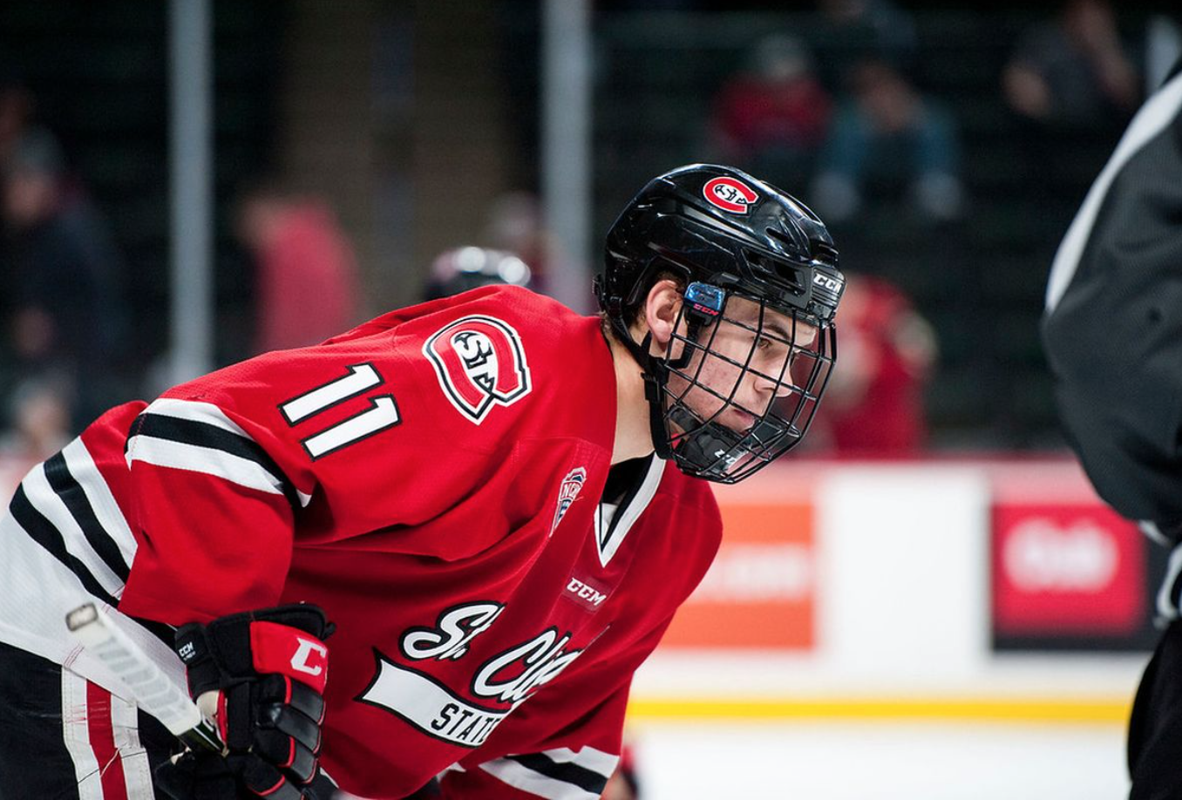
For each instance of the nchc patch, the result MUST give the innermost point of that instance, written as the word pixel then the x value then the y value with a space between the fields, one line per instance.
pixel 568 490
pixel 480 362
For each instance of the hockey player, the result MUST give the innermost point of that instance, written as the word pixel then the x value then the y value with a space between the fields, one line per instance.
pixel 495 501
pixel 1113 336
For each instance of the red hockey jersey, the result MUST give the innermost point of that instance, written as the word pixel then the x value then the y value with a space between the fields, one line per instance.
pixel 432 479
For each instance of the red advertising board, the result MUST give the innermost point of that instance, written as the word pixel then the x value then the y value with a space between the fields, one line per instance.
pixel 1070 569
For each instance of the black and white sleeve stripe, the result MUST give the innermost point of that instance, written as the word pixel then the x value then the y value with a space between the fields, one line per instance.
pixel 199 437
pixel 560 774
pixel 65 507
pixel 64 542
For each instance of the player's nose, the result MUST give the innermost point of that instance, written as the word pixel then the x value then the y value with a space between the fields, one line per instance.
pixel 771 386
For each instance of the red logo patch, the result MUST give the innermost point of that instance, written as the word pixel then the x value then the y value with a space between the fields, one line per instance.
pixel 729 195
pixel 480 363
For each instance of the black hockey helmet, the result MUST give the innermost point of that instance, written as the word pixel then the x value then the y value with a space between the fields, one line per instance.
pixel 725 235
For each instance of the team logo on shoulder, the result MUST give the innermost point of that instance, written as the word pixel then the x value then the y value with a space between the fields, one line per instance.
pixel 729 194
pixel 568 490
pixel 480 362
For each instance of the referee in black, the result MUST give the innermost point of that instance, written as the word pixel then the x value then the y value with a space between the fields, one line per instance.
pixel 1112 331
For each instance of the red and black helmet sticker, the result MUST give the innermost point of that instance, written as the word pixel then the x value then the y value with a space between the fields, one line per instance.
pixel 729 194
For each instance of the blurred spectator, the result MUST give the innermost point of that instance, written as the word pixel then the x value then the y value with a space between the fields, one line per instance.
pixel 305 272
pixel 1072 71
pixel 772 117
pixel 39 427
pixel 1071 88
pixel 886 137
pixel 16 113
pixel 65 306
pixel 874 405
pixel 853 30
pixel 464 268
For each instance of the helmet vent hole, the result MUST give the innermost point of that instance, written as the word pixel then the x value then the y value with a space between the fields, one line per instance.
pixel 777 273
pixel 781 237
pixel 824 252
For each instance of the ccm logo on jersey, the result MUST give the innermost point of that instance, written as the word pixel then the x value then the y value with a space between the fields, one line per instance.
pixel 480 362
pixel 590 596
pixel 729 195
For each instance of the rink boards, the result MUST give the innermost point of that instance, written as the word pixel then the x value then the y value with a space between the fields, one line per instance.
pixel 943 590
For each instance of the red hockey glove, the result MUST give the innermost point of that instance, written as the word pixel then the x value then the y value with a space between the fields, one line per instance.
pixel 269 668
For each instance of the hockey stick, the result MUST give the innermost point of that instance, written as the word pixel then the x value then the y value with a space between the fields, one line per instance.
pixel 150 687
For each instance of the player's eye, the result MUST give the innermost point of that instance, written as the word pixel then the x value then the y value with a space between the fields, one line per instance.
pixel 771 342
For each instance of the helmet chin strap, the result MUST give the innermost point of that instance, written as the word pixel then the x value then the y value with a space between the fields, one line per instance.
pixel 655 373
pixel 652 369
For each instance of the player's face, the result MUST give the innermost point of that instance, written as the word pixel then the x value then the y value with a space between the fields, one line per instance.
pixel 746 360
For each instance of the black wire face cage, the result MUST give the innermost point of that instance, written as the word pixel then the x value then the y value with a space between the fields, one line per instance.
pixel 743 381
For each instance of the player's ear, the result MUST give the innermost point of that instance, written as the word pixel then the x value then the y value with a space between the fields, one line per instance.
pixel 660 311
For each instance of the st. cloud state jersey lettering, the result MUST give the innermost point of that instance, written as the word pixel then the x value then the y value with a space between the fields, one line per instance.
pixel 507 679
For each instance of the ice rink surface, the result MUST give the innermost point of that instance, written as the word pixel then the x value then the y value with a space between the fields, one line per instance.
pixel 887 760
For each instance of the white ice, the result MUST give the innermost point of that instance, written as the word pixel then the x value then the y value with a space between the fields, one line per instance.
pixel 881 761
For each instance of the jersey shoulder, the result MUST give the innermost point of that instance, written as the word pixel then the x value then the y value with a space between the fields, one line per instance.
pixel 404 418
pixel 484 346
pixel 513 363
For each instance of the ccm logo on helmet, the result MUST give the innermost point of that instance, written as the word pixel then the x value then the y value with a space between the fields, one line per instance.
pixel 729 194
pixel 479 362
pixel 832 284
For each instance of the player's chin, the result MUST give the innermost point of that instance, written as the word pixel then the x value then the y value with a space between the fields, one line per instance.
pixel 738 421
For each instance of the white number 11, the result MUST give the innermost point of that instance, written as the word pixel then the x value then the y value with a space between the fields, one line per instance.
pixel 382 413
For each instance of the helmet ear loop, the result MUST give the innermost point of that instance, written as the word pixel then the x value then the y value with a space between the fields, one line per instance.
pixel 701 304
pixel 693 329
